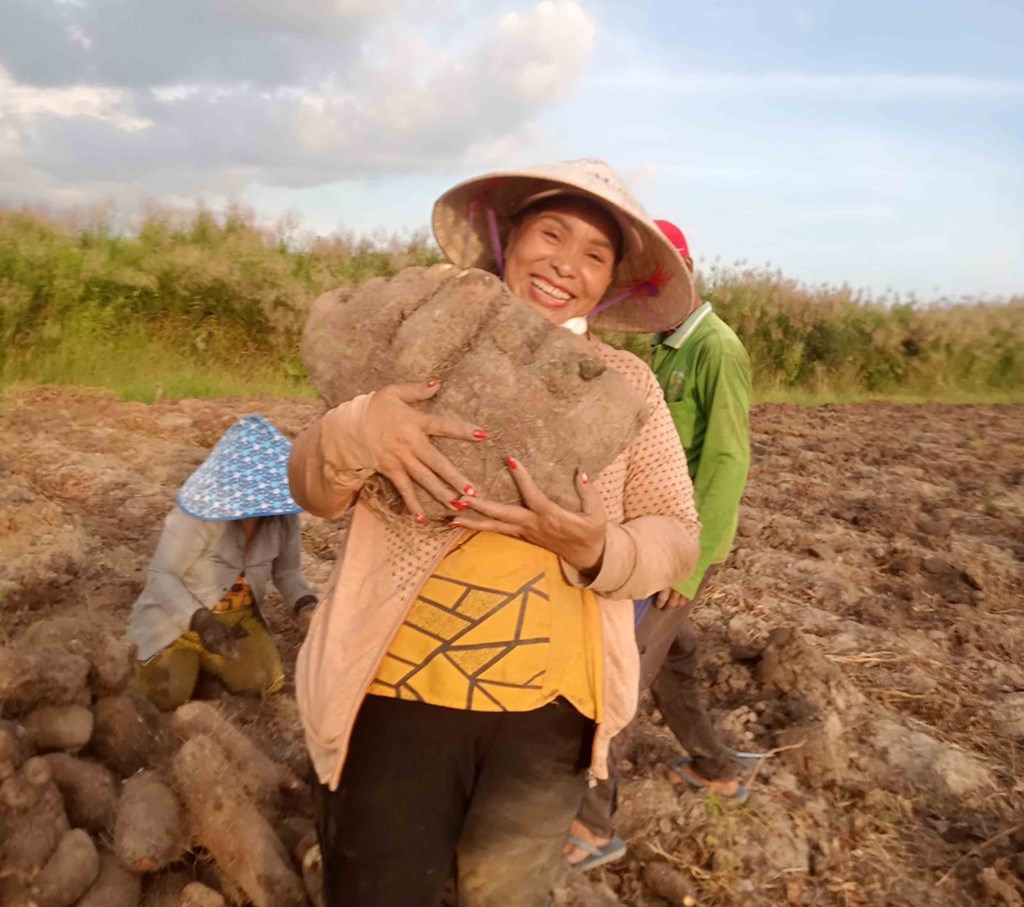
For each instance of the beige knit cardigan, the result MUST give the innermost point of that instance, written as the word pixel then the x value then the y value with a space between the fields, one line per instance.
pixel 652 543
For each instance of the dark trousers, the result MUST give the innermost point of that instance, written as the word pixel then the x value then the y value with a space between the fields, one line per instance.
pixel 427 790
pixel 669 665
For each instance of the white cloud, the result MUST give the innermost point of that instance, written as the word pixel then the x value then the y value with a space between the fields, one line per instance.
pixel 398 97
pixel 870 86
pixel 141 43
pixel 105 104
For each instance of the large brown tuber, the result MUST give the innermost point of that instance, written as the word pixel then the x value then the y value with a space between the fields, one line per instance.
pixel 226 822
pixel 34 820
pixel 258 773
pixel 50 676
pixel 165 889
pixel 59 727
pixel 149 825
pixel 196 894
pixel 115 886
pixel 111 655
pixel 88 788
pixel 128 734
pixel 69 873
pixel 14 748
pixel 542 393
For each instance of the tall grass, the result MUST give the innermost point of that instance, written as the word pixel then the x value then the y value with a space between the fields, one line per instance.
pixel 192 302
pixel 199 303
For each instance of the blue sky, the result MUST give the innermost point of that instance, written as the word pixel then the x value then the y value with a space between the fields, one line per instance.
pixel 879 144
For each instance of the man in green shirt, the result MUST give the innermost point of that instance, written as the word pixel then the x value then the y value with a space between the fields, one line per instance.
pixel 704 372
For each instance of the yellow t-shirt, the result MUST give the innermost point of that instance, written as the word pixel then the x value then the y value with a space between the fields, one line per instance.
pixel 497 628
pixel 237 598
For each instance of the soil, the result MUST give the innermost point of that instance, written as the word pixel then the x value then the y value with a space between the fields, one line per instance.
pixel 868 632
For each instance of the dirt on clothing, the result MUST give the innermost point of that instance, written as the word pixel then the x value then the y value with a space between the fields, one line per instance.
pixel 868 632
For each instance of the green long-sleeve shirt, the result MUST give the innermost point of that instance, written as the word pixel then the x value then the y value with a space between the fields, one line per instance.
pixel 704 372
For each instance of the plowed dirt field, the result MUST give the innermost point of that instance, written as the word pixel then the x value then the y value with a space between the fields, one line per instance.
pixel 868 632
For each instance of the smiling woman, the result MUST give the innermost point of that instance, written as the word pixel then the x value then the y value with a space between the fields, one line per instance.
pixel 562 256
pixel 468 680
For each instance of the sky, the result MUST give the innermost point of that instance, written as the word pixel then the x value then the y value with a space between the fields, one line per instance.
pixel 879 144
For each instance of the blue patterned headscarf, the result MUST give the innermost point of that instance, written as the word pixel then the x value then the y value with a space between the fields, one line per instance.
pixel 245 475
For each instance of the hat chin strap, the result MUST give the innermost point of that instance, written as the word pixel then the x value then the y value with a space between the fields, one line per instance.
pixel 492 230
pixel 578 325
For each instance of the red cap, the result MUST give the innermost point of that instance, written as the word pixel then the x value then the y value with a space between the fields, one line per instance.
pixel 675 236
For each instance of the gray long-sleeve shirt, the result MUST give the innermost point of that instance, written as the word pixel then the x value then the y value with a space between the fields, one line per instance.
pixel 196 562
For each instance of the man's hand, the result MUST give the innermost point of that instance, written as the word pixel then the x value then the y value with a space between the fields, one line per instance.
pixel 216 638
pixel 669 600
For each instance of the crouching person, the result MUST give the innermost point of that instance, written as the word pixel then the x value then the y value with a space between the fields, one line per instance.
pixel 234 527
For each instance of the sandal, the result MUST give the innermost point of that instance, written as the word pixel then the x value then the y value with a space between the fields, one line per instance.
pixel 682 768
pixel 598 855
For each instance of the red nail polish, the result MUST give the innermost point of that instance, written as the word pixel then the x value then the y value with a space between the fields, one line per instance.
pixel 480 435
pixel 512 463
pixel 421 519
pixel 432 384
pixel 584 479
pixel 460 505
pixel 470 490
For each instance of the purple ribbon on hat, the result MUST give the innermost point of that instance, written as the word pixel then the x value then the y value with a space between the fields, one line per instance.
pixel 650 288
pixel 492 229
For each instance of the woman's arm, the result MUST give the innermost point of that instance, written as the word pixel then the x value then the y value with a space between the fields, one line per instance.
pixel 287 567
pixel 330 461
pixel 379 432
pixel 658 543
pixel 183 541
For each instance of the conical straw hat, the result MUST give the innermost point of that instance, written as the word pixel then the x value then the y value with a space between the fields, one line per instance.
pixel 245 475
pixel 652 290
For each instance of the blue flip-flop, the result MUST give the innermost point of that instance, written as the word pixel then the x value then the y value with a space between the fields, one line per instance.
pixel 679 766
pixel 597 855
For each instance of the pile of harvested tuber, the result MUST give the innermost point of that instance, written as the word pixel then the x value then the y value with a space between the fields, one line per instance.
pixel 543 394
pixel 106 802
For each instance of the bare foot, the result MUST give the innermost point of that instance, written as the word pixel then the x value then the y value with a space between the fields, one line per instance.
pixel 725 789
pixel 576 854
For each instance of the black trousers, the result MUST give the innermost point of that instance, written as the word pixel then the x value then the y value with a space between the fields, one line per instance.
pixel 428 790
pixel 669 664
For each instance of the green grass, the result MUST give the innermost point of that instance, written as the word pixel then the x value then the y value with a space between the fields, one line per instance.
pixel 137 366
pixel 213 305
pixel 799 397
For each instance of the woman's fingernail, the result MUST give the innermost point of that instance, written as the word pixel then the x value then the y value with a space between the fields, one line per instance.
pixel 455 523
pixel 460 505
pixel 432 384
pixel 512 462
pixel 584 479
pixel 480 435
pixel 470 490
pixel 421 519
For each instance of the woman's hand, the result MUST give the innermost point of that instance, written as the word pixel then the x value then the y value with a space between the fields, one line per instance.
pixel 399 437
pixel 217 638
pixel 577 538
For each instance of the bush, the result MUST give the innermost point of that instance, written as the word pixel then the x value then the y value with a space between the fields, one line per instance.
pixel 205 303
